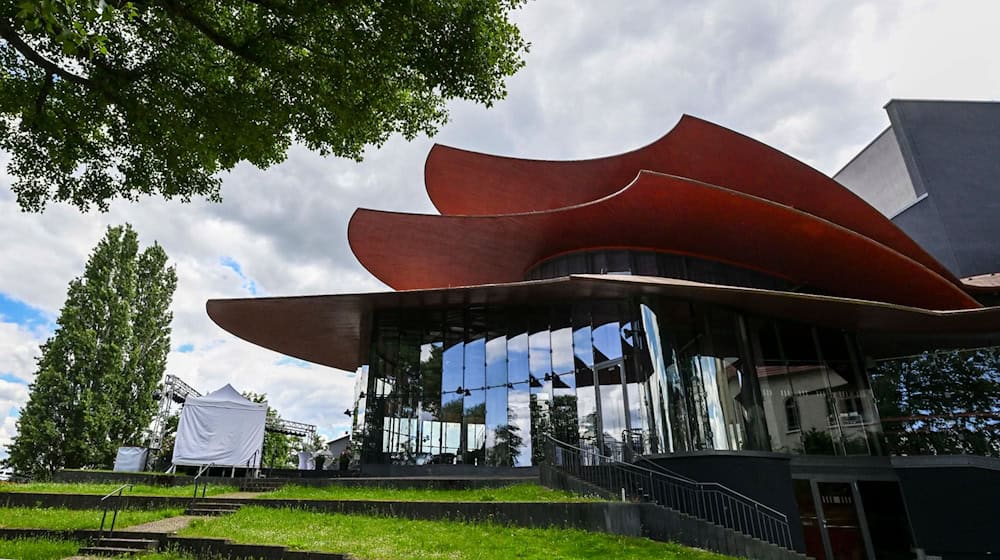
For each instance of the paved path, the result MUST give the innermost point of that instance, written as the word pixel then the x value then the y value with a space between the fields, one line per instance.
pixel 168 525
pixel 234 496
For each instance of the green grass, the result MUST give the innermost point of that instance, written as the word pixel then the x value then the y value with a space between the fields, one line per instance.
pixel 388 538
pixel 168 555
pixel 37 549
pixel 69 519
pixel 513 493
pixel 104 488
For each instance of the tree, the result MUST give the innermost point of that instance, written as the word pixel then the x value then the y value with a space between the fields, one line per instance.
pixel 278 447
pixel 101 99
pixel 96 376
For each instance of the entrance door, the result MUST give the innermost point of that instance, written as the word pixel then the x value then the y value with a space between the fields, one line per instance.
pixel 841 521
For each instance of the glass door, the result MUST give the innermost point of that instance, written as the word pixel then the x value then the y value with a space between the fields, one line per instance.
pixel 842 523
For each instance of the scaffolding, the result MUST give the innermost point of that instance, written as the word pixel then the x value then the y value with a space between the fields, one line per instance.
pixel 176 391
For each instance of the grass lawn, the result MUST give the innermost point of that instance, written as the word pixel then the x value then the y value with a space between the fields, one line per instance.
pixel 388 538
pixel 58 518
pixel 104 488
pixel 514 493
pixel 37 549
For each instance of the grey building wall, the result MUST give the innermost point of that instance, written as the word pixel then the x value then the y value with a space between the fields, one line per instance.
pixel 878 174
pixel 951 154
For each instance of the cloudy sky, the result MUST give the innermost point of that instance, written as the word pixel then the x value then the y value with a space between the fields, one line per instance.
pixel 809 78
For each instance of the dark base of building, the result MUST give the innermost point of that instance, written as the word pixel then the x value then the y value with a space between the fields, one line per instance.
pixel 879 508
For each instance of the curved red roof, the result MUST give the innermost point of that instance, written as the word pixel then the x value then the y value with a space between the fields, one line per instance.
pixel 460 182
pixel 655 212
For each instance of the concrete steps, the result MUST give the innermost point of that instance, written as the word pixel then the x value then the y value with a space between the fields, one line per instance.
pixel 203 508
pixel 260 485
pixel 110 546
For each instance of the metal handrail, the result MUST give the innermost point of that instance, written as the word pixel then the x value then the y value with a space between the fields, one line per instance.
pixel 117 492
pixel 709 501
pixel 204 484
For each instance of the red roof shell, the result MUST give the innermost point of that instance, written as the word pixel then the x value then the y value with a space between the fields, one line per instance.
pixel 654 212
pixel 461 182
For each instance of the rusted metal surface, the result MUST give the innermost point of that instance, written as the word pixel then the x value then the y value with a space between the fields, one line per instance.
pixel 461 182
pixel 655 212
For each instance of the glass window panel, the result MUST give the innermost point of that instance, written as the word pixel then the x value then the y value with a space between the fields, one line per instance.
pixel 613 421
pixel 474 384
pixel 452 390
pixel 776 379
pixel 475 424
pixel 498 431
pixel 588 417
pixel 577 264
pixel 810 382
pixel 645 264
pixel 518 401
pixel 854 404
pixel 540 363
pixel 618 262
pixel 607 339
pixel 565 425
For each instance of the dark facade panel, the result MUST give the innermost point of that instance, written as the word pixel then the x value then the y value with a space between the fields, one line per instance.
pixel 952 150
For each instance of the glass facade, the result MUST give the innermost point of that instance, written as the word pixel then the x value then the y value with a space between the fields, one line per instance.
pixel 485 385
pixel 651 263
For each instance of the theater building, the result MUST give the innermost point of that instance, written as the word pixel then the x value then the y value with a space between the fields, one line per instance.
pixel 706 302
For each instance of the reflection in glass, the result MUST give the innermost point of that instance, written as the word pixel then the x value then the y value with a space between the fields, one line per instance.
pixel 518 397
pixel 588 417
pixel 563 412
pixel 484 385
pixel 540 364
pixel 497 429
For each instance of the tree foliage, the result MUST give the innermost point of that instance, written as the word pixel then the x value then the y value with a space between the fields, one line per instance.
pixel 941 403
pixel 93 391
pixel 278 447
pixel 101 99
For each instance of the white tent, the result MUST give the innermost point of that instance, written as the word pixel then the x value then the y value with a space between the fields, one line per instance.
pixel 221 428
pixel 131 459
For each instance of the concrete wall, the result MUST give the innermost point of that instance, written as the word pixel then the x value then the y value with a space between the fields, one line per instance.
pixel 878 174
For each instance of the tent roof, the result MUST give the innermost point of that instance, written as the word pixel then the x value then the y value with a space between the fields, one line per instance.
pixel 225 397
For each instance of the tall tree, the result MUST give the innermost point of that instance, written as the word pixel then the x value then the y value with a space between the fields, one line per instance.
pixel 96 376
pixel 101 99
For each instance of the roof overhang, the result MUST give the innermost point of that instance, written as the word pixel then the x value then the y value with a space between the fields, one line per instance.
pixel 333 330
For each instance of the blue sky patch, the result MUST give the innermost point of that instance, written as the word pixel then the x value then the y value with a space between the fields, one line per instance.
pixel 185 348
pixel 249 284
pixel 11 378
pixel 16 311
pixel 290 361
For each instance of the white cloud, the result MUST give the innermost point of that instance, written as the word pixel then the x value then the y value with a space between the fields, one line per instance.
pixel 18 351
pixel 602 77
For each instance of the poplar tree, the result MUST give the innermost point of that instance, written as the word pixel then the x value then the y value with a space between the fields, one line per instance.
pixel 93 390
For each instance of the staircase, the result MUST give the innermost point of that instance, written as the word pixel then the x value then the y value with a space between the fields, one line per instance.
pixel 260 485
pixel 207 508
pixel 707 501
pixel 109 546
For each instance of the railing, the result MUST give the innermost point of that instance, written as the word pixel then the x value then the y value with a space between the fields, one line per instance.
pixel 203 483
pixel 709 501
pixel 116 493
